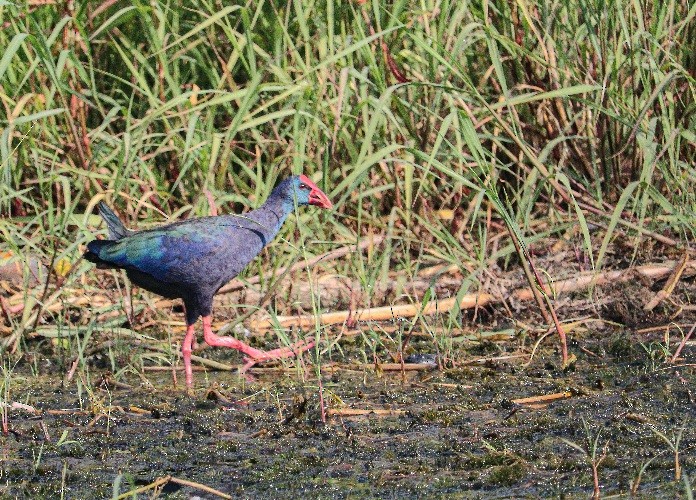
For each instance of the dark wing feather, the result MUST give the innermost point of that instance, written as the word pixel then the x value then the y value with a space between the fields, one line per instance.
pixel 199 252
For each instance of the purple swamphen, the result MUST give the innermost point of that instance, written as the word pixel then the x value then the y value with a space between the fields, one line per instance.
pixel 193 259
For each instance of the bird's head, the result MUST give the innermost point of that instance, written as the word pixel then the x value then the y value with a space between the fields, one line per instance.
pixel 302 189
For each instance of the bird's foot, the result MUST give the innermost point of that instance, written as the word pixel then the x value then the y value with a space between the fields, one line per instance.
pixel 254 356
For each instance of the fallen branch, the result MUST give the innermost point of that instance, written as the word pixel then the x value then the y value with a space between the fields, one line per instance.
pixel 398 367
pixel 664 328
pixel 375 313
pixel 156 484
pixel 544 398
pixel 385 313
pixel 20 406
pixel 215 365
pixel 669 286
pixel 355 412
pixel 160 482
pixel 199 486
pixel 479 361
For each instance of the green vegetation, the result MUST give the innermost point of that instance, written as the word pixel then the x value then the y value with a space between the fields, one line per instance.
pixel 473 134
pixel 573 112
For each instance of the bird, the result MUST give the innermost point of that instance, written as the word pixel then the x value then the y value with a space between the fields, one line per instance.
pixel 192 259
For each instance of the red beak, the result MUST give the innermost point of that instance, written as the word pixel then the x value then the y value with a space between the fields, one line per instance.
pixel 316 195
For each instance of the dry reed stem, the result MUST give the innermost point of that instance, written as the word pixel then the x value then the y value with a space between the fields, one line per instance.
pixel 669 285
pixel 385 313
pixel 355 412
pixel 160 482
pixel 494 359
pixel 199 486
pixel 682 344
pixel 207 362
pixel 663 328
pixel 543 398
pixel 155 484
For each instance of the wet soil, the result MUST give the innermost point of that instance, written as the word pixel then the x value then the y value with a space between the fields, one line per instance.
pixel 442 433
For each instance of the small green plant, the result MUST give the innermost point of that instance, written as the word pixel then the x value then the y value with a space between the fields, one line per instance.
pixel 673 442
pixel 63 440
pixel 63 480
pixel 657 353
pixel 688 489
pixel 636 481
pixel 5 395
pixel 36 463
pixel 593 454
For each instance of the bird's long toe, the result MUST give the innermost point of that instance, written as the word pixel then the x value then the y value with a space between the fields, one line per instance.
pixel 282 352
pixel 252 355
pixel 285 352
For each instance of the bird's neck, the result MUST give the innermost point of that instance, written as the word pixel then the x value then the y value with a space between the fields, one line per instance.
pixel 272 214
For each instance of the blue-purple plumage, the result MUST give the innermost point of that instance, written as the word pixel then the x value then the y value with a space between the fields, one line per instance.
pixel 193 259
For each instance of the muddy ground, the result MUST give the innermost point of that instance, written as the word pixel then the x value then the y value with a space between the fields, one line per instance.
pixel 439 432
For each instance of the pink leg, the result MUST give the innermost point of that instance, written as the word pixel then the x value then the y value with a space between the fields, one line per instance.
pixel 253 356
pixel 186 349
pixel 194 344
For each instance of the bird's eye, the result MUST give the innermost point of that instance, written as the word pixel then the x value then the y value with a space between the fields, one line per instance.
pixel 304 186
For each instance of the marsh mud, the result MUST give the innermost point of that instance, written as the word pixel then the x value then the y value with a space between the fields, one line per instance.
pixel 450 432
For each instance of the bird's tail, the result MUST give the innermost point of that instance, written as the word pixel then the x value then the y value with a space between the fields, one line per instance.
pixel 94 248
pixel 117 229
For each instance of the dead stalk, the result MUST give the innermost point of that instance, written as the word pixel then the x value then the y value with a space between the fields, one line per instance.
pixel 386 313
